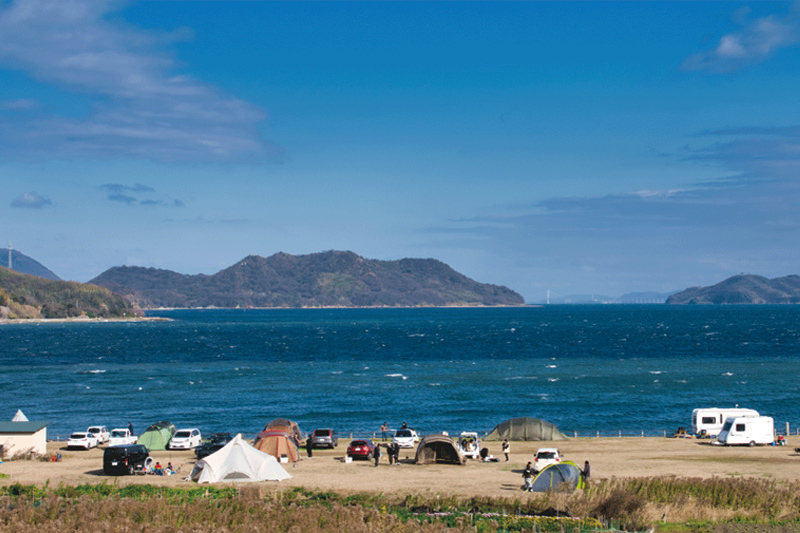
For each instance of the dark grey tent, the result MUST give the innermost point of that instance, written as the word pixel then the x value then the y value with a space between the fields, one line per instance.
pixel 560 477
pixel 525 428
pixel 439 449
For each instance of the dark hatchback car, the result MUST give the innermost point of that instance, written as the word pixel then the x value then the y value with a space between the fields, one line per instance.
pixel 212 444
pixel 127 459
pixel 361 449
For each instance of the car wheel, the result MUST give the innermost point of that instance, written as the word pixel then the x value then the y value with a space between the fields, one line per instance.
pixel 130 470
pixel 752 443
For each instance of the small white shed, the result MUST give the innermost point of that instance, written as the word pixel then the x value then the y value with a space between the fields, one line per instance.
pixel 19 438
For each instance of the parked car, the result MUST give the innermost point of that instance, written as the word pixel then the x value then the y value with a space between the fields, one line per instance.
pixel 83 440
pixel 124 459
pixel 405 438
pixel 324 438
pixel 361 449
pixel 470 444
pixel 545 457
pixel 212 444
pixel 100 432
pixel 121 436
pixel 185 439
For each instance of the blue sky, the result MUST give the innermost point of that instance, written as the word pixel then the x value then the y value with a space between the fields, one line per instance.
pixel 576 147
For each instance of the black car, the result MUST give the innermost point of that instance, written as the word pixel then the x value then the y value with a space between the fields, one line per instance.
pixel 120 460
pixel 214 443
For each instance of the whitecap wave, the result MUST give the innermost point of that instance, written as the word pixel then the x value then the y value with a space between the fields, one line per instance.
pixel 727 373
pixel 551 366
pixel 552 379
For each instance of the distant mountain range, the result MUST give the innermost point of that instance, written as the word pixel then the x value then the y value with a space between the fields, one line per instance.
pixel 27 296
pixel 743 289
pixel 325 279
pixel 25 265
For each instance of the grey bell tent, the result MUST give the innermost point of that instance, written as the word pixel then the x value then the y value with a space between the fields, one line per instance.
pixel 559 477
pixel 439 449
pixel 525 428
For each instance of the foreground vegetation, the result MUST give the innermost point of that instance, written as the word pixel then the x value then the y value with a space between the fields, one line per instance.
pixel 720 505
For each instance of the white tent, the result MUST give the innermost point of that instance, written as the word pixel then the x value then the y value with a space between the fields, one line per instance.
pixel 19 417
pixel 238 461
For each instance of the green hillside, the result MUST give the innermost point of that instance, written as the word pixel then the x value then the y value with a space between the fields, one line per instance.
pixel 325 279
pixel 26 296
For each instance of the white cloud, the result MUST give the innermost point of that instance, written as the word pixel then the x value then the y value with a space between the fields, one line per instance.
pixel 756 41
pixel 142 107
pixel 31 200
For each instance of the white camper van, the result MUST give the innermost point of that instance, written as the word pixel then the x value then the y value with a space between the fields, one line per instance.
pixel 750 430
pixel 707 422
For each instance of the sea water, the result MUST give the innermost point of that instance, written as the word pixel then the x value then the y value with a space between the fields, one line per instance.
pixel 611 369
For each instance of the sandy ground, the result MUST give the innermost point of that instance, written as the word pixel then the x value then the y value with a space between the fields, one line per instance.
pixel 609 457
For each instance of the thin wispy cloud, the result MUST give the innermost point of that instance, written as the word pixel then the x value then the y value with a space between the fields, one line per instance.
pixel 757 41
pixel 31 200
pixel 143 107
pixel 133 195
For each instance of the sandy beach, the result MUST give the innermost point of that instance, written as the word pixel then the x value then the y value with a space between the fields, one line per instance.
pixel 609 457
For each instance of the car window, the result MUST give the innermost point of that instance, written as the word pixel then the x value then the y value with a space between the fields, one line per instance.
pixel 546 455
pixel 403 433
pixel 182 434
pixel 322 433
pixel 358 443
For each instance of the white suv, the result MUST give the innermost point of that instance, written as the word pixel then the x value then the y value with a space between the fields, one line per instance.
pixel 406 438
pixel 100 432
pixel 185 439
pixel 545 457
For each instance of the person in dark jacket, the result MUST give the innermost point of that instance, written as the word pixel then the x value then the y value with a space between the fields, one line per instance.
pixel 309 446
pixel 586 470
pixel 377 453
pixel 527 475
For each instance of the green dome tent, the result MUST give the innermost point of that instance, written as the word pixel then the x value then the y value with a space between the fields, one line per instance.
pixel 559 477
pixel 157 436
pixel 525 428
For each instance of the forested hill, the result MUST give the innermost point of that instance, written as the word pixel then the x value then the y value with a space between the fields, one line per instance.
pixel 26 296
pixel 325 279
pixel 743 289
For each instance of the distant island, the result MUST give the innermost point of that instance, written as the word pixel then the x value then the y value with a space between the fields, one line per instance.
pixel 23 296
pixel 325 279
pixel 743 289
pixel 19 262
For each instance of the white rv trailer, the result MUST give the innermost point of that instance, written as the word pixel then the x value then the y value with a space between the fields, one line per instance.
pixel 749 430
pixel 707 422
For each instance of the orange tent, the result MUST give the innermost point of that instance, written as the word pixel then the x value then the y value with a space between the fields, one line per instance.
pixel 277 444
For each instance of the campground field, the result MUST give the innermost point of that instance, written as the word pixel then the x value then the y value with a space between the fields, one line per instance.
pixel 632 457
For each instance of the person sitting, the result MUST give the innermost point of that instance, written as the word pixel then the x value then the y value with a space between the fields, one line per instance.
pixel 158 469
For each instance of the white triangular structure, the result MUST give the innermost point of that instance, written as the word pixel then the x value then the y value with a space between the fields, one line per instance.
pixel 20 417
pixel 238 461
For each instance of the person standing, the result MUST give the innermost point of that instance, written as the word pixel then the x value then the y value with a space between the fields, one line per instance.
pixel 384 430
pixel 309 446
pixel 586 470
pixel 506 448
pixel 377 453
pixel 527 475
pixel 130 429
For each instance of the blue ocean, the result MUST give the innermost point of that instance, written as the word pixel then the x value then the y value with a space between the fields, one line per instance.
pixel 614 369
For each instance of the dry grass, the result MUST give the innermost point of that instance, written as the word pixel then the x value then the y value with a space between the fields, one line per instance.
pixel 718 505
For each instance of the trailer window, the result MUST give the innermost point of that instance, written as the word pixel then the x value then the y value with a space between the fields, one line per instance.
pixel 739 427
pixel 709 420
